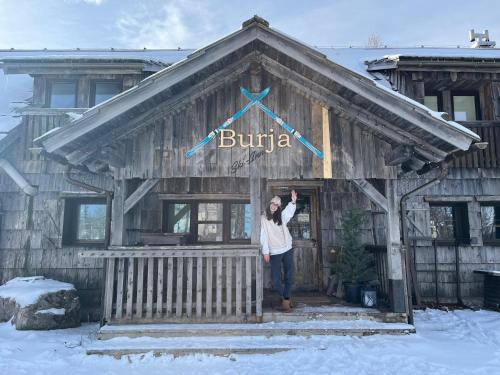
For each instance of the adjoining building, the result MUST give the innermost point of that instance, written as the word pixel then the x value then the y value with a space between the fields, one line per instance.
pixel 102 183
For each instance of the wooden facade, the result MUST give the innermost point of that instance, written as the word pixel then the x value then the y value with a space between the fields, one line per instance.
pixel 133 148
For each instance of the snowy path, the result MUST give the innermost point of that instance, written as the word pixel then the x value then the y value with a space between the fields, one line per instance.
pixel 459 342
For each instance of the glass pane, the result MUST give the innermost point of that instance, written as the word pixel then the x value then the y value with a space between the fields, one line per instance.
pixel 490 222
pixel 300 224
pixel 178 218
pixel 106 90
pixel 209 232
pixel 91 222
pixel 464 108
pixel 442 222
pixel 431 102
pixel 210 212
pixel 63 95
pixel 241 221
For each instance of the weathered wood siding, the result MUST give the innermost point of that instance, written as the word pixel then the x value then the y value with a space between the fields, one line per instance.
pixel 159 149
pixel 31 227
pixel 460 185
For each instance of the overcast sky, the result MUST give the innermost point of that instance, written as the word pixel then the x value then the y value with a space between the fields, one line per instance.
pixel 191 24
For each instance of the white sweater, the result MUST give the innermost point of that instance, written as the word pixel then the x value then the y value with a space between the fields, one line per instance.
pixel 276 239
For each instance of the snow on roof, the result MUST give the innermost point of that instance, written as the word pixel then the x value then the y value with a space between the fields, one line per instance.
pixel 27 290
pixel 15 89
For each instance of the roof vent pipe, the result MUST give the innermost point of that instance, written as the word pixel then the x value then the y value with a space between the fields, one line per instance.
pixel 480 40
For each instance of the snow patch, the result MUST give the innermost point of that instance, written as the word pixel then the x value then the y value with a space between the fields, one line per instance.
pixel 27 290
pixel 52 311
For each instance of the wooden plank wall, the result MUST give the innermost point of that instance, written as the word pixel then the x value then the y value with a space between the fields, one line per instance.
pixel 461 184
pixel 356 153
pixel 31 227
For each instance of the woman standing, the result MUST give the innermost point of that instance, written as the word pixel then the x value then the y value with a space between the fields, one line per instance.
pixel 276 244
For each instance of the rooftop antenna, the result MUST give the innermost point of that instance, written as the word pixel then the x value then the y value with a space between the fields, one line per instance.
pixel 481 40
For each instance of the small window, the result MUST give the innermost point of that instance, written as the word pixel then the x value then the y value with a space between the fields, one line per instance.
pixel 103 91
pixel 300 224
pixel 62 95
pixel 490 222
pixel 84 221
pixel 241 221
pixel 449 223
pixel 210 223
pixel 432 102
pixel 465 107
pixel 178 217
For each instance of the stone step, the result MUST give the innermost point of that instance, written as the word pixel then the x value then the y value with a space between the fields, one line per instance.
pixel 309 328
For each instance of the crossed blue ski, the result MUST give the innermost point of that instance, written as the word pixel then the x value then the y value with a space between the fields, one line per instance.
pixel 254 100
pixel 284 125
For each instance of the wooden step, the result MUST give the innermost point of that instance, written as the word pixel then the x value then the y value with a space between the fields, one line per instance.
pixel 118 353
pixel 304 313
pixel 310 328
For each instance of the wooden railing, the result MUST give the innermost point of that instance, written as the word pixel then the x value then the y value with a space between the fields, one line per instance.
pixel 210 283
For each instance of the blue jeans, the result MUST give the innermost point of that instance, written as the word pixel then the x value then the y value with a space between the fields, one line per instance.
pixel 287 259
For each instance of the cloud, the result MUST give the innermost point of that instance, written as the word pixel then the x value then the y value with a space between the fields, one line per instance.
pixel 176 24
pixel 94 2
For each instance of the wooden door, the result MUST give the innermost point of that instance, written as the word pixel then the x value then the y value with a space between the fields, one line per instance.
pixel 304 228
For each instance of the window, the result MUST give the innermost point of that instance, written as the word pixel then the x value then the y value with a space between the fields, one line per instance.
pixel 449 222
pixel 465 106
pixel 62 94
pixel 209 221
pixel 241 221
pixel 102 91
pixel 178 218
pixel 84 221
pixel 300 224
pixel 433 102
pixel 490 222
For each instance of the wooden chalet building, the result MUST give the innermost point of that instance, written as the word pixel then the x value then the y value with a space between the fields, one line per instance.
pixel 97 186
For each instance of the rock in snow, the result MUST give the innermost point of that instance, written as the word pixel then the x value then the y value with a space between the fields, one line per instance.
pixel 39 303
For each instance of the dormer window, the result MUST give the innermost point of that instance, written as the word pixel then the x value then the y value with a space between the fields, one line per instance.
pixel 465 106
pixel 102 91
pixel 62 94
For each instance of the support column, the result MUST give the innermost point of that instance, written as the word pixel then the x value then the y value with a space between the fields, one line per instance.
pixel 118 230
pixel 395 272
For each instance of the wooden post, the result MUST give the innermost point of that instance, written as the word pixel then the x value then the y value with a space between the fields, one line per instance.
pixel 394 257
pixel 118 231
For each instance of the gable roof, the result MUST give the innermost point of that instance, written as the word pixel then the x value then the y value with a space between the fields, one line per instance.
pixel 449 135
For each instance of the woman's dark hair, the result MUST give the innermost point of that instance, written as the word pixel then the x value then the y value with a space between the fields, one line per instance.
pixel 276 217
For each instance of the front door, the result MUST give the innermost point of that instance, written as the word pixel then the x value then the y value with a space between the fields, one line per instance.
pixel 304 227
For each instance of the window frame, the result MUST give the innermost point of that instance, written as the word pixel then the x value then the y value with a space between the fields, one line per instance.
pixel 50 85
pixel 192 236
pixel 461 227
pixel 496 241
pixel 93 88
pixel 477 105
pixel 71 222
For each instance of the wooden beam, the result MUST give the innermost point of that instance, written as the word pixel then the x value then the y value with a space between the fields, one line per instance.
pixel 204 196
pixel 118 231
pixel 139 193
pixel 372 193
pixel 17 177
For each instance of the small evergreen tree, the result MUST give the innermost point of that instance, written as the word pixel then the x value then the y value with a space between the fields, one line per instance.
pixel 354 263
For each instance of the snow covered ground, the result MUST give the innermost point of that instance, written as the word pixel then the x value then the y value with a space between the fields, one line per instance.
pixel 457 342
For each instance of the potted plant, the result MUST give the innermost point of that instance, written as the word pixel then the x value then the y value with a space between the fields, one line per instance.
pixel 354 263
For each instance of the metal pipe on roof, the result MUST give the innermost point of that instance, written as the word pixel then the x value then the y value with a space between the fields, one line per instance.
pixel 17 177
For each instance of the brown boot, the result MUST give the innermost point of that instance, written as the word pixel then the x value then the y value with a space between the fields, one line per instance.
pixel 285 305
